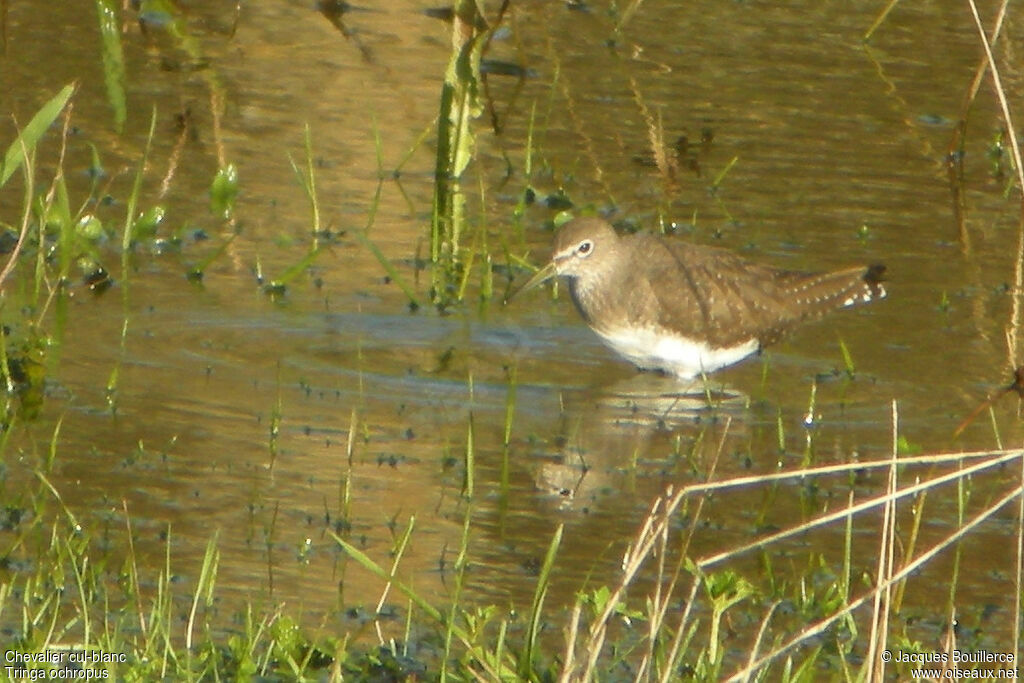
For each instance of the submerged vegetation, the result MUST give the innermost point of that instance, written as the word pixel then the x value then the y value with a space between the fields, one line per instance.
pixel 776 601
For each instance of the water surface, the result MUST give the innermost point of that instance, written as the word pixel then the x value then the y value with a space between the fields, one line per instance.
pixel 235 411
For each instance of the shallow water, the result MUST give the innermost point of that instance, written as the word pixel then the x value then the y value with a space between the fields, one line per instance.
pixel 235 410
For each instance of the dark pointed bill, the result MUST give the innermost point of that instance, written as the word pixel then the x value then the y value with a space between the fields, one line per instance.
pixel 541 276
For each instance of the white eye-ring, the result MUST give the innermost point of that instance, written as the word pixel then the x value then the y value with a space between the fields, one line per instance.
pixel 585 247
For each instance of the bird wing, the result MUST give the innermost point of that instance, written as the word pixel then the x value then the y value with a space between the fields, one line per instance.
pixel 710 293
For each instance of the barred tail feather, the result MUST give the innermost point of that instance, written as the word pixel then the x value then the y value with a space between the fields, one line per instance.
pixel 823 292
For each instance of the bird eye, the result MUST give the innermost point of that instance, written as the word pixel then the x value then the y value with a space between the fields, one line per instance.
pixel 585 247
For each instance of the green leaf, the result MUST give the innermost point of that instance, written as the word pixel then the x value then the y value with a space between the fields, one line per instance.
pixel 905 447
pixel 147 223
pixel 223 191
pixel 30 134
pixel 89 227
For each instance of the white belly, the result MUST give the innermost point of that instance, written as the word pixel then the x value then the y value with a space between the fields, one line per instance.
pixel 654 350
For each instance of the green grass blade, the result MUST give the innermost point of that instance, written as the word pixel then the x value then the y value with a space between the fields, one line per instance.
pixel 292 272
pixel 851 369
pixel 543 580
pixel 196 272
pixel 307 179
pixel 389 269
pixel 133 198
pixel 30 134
pixel 113 61
pixel 380 572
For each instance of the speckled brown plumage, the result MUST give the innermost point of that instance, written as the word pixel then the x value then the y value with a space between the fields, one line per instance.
pixel 687 308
